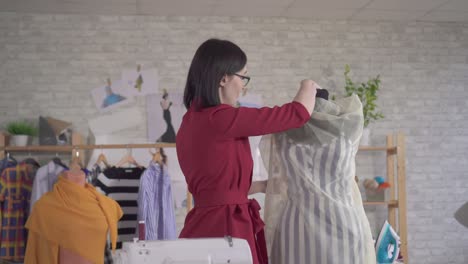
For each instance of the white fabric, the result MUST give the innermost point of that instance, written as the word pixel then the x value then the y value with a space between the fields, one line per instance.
pixel 313 208
pixel 46 176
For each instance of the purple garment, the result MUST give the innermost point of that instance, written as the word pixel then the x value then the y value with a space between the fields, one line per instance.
pixel 155 203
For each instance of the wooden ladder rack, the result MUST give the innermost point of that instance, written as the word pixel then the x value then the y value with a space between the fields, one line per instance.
pixel 396 176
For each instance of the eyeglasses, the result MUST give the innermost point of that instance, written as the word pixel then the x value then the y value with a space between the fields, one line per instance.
pixel 245 79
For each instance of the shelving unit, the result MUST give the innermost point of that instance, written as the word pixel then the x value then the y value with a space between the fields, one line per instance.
pixel 396 176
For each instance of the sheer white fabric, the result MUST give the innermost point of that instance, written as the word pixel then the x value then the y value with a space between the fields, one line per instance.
pixel 313 207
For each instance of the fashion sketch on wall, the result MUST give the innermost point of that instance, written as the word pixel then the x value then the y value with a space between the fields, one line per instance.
pixel 169 135
pixel 165 112
pixel 140 81
pixel 110 96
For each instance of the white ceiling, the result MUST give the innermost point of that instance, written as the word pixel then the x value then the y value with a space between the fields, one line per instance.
pixel 396 10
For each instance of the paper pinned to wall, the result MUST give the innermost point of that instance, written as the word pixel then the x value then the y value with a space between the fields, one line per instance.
pixel 164 116
pixel 111 95
pixel 140 81
pixel 120 120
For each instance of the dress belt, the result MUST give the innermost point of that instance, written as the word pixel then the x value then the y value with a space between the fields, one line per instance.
pixel 218 198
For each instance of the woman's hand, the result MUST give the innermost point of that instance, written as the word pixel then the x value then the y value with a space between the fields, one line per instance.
pixel 258 187
pixel 306 94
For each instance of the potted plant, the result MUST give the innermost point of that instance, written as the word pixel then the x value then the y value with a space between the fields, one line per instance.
pixel 367 93
pixel 20 132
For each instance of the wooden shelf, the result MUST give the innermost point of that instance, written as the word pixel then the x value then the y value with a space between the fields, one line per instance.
pixel 386 203
pixel 38 148
pixel 69 148
pixel 372 148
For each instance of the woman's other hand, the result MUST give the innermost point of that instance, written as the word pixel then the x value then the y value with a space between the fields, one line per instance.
pixel 306 94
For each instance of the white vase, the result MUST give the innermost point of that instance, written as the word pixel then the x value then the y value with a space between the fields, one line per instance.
pixel 19 140
pixel 365 138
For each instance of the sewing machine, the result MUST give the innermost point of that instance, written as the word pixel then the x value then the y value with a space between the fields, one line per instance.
pixel 186 251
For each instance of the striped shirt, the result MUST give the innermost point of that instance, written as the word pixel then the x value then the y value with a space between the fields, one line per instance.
pixel 122 185
pixel 155 203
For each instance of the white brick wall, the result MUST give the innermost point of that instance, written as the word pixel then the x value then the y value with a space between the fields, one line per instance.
pixel 49 63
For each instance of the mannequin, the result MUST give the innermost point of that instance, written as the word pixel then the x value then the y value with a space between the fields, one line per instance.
pixel 313 208
pixel 77 176
pixel 70 224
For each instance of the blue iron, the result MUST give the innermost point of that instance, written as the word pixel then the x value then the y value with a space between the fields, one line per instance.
pixel 387 245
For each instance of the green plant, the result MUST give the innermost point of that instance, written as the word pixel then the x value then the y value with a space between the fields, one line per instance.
pixel 367 93
pixel 21 128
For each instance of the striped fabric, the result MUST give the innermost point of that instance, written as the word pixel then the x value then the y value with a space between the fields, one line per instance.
pixel 108 256
pixel 320 223
pixel 155 204
pixel 15 192
pixel 320 218
pixel 122 185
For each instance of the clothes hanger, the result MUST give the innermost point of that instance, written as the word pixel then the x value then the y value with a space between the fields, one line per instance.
pixel 10 157
pixel 102 159
pixel 159 156
pixel 156 156
pixel 128 159
pixel 59 162
pixel 29 160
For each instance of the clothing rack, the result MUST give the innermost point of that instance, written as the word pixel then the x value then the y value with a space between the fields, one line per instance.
pixel 76 149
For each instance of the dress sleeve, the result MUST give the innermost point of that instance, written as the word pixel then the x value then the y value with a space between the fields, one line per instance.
pixel 245 122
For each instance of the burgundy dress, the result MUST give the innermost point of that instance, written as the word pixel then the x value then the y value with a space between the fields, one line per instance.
pixel 214 155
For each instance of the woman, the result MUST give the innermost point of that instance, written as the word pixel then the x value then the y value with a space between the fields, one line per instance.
pixel 213 147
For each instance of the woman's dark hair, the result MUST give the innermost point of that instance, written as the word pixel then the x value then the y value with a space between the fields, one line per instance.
pixel 212 60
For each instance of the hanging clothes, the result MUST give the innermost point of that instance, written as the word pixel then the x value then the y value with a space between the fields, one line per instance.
pixel 74 217
pixel 91 178
pixel 7 163
pixel 313 210
pixel 155 203
pixel 122 185
pixel 46 177
pixel 15 193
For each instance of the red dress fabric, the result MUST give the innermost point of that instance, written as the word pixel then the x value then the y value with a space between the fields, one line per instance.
pixel 214 155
